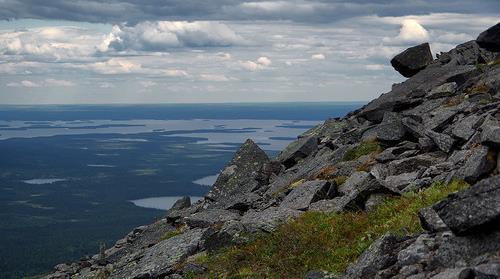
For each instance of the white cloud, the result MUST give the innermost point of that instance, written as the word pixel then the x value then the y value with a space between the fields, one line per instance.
pixel 375 67
pixel 411 32
pixel 164 35
pixel 214 77
pixel 106 85
pixel 224 55
pixel 24 83
pixel 318 56
pixel 148 83
pixel 59 82
pixel 260 64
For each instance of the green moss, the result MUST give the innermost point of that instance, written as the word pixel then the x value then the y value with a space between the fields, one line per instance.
pixel 365 148
pixel 326 241
pixel 171 234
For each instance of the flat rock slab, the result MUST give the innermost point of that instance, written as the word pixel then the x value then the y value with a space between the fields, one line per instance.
pixel 268 219
pixel 306 193
pixel 473 209
pixel 209 217
pixel 478 164
pixel 161 259
pixel 297 150
pixel 391 128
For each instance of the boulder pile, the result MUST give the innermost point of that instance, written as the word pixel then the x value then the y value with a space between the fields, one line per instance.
pixel 441 125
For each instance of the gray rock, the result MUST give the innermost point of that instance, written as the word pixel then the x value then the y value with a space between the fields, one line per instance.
pixel 268 219
pixel 490 39
pixel 439 118
pixel 491 136
pixel 319 274
pixel 181 203
pixel 473 209
pixel 413 127
pixel 231 233
pixel 443 141
pixel 455 273
pixel 426 144
pixel 400 181
pixel 416 252
pixel 397 152
pixel 398 98
pixel 487 270
pixel 391 128
pixel 160 259
pixel 306 193
pixel 478 164
pixel 380 255
pixel 209 217
pixel 444 90
pixel 466 127
pixel 431 221
pixel 336 205
pixel 297 150
pixel 413 60
pixel 411 164
pixel 239 175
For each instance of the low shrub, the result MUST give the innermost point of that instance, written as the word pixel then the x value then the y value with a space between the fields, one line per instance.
pixel 364 148
pixel 326 241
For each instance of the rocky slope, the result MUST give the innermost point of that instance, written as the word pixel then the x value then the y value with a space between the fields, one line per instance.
pixel 440 125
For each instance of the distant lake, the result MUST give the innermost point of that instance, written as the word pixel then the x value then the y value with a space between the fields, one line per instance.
pixel 72 177
pixel 207 180
pixel 162 203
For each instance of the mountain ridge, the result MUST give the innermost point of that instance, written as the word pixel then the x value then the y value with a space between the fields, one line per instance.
pixel 406 153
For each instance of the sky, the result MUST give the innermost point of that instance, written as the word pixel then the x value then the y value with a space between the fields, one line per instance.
pixel 198 51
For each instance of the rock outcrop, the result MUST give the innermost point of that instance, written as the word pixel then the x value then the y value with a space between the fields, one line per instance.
pixel 440 125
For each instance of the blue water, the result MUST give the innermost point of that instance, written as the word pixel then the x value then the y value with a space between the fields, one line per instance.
pixel 74 176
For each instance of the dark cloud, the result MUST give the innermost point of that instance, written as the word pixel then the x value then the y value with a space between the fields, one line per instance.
pixel 133 11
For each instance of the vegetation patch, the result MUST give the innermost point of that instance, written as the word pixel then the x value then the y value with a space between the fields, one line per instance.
pixel 326 241
pixel 339 180
pixel 365 148
pixel 171 234
pixel 325 173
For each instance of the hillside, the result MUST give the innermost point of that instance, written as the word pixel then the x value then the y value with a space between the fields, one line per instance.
pixel 407 186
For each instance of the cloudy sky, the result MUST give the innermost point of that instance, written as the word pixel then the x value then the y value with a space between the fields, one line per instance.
pixel 185 51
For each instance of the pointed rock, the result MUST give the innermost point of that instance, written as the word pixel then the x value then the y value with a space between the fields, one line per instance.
pixel 239 176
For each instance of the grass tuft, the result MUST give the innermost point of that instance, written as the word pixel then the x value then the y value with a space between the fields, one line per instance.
pixel 365 148
pixel 326 241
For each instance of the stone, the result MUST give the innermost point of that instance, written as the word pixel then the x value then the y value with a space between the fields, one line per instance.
pixel 209 217
pixel 491 136
pixel 431 221
pixel 161 259
pixel 181 203
pixel 374 200
pixel 444 90
pixel 268 219
pixel 487 270
pixel 455 273
pixel 400 181
pixel 297 150
pixel 437 119
pixel 231 233
pixel 416 252
pixel 474 209
pixel 443 141
pixel 380 255
pixel 391 128
pixel 478 163
pixel 465 128
pixel 412 60
pixel 426 144
pixel 306 193
pixel 238 177
pixel 490 39
pixel 411 164
pixel 319 274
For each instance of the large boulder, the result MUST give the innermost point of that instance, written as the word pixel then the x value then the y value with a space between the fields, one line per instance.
pixel 490 39
pixel 391 129
pixel 297 150
pixel 479 163
pixel 474 209
pixel 306 193
pixel 209 217
pixel 413 60
pixel 239 176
